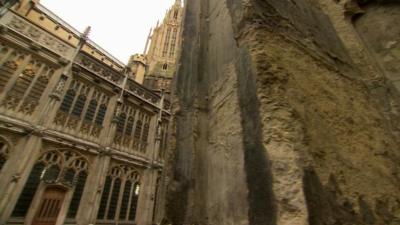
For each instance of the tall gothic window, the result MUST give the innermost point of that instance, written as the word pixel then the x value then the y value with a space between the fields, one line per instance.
pixel 10 61
pixel 132 129
pixel 25 89
pixel 4 152
pixel 63 167
pixel 125 181
pixel 145 135
pixel 166 42
pixel 173 43
pixel 83 103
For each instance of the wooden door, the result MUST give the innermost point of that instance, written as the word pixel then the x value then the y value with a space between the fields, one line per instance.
pixel 49 207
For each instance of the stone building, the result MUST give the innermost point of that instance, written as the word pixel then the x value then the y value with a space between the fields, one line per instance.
pixel 81 142
pixel 287 112
pixel 165 44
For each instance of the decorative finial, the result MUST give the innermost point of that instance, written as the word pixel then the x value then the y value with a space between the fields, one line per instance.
pixel 86 33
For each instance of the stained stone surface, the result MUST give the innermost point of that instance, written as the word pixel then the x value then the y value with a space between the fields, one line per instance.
pixel 278 122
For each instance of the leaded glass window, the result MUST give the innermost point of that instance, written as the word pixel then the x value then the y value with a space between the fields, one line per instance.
pixel 114 199
pixel 122 180
pixel 101 114
pixel 76 198
pixel 138 130
pixel 68 100
pixel 125 199
pixel 83 102
pixel 26 197
pixel 78 108
pixel 121 122
pixel 51 174
pixel 91 111
pixel 129 126
pixel 104 198
pixel 134 201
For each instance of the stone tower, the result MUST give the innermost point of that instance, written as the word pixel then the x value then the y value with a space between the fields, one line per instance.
pixel 164 48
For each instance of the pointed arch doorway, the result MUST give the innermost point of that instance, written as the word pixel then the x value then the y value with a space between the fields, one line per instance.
pixel 50 206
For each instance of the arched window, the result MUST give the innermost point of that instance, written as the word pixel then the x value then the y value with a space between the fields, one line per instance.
pixel 68 100
pixel 80 103
pixel 83 103
pixel 27 87
pixel 101 114
pixel 68 168
pixel 36 90
pixel 91 111
pixel 121 180
pixel 129 126
pixel 121 122
pixel 165 66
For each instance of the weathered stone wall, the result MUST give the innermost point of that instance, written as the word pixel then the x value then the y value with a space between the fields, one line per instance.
pixel 379 28
pixel 276 122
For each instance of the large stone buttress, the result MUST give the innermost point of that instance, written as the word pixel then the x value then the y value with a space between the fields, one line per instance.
pixel 276 121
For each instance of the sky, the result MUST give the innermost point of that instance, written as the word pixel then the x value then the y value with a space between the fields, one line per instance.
pixel 120 27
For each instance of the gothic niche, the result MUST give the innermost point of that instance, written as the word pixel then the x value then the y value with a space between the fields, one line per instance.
pixel 379 28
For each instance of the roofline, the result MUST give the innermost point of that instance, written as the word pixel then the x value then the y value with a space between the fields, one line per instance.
pixel 62 22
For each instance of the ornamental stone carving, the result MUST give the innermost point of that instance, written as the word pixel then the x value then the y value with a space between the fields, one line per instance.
pixel 39 36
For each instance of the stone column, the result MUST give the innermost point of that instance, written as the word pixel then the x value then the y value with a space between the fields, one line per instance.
pixel 91 197
pixel 16 173
pixel 144 213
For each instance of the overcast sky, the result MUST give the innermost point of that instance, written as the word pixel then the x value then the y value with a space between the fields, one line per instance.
pixel 119 26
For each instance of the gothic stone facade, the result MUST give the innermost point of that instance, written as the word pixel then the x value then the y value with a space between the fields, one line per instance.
pixel 80 143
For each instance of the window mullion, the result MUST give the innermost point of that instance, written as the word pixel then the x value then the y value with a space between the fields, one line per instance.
pixel 131 194
pixel 135 119
pixel 76 97
pixel 120 195
pixel 109 198
pixel 85 107
pixel 100 102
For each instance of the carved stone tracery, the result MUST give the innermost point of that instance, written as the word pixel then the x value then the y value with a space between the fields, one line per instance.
pixel 39 35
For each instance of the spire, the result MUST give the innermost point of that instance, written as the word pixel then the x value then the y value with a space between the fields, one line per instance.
pixel 86 33
pixel 147 42
pixel 178 2
pixel 83 38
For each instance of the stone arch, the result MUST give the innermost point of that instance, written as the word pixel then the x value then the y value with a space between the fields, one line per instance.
pixel 70 163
